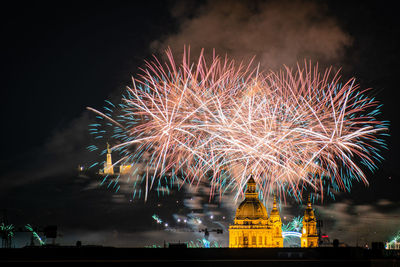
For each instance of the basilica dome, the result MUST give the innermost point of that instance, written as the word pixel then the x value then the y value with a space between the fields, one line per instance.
pixel 251 208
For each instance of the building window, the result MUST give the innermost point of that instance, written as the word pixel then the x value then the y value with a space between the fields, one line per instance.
pixel 253 241
pixel 260 240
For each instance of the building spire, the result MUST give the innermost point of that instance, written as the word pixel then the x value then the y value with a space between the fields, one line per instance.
pixel 108 148
pixel 275 211
pixel 274 205
pixel 309 212
pixel 309 202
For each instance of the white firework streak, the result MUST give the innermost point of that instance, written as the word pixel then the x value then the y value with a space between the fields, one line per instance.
pixel 290 129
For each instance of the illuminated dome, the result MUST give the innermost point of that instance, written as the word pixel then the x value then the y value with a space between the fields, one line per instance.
pixel 252 228
pixel 251 208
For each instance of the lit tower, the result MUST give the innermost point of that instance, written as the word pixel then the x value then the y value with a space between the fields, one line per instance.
pixel 276 224
pixel 108 166
pixel 309 234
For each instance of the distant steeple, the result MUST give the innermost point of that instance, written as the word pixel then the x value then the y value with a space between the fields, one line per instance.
pixel 108 166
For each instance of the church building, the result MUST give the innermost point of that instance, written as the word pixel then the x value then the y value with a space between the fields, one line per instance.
pixel 109 166
pixel 252 227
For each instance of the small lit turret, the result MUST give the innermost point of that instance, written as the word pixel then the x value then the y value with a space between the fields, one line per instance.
pixel 275 211
pixel 276 223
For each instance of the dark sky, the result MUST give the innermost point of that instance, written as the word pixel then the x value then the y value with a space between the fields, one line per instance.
pixel 60 57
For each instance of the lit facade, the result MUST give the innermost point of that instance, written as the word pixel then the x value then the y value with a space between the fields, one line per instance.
pixel 394 244
pixel 252 228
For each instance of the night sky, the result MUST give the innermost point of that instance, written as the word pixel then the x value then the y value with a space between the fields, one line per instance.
pixel 60 57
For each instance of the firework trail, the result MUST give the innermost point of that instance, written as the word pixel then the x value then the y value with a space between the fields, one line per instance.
pixel 221 122
pixel 34 234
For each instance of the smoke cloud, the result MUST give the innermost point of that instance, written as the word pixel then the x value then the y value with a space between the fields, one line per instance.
pixel 274 32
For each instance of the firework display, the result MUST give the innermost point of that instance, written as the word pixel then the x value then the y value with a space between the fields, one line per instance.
pixel 222 122
pixel 294 225
pixel 6 234
pixel 291 232
pixel 7 230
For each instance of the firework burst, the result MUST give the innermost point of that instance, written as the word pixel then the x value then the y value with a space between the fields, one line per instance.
pixel 222 122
